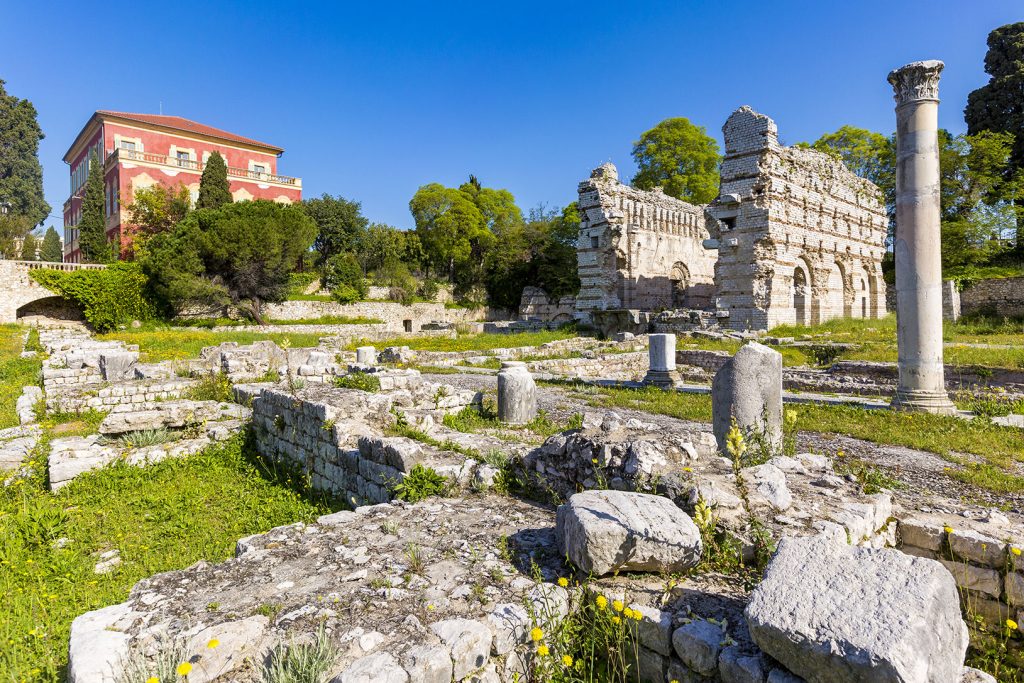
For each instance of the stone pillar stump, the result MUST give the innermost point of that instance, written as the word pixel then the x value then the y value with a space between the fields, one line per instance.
pixel 366 355
pixel 517 393
pixel 748 388
pixel 662 361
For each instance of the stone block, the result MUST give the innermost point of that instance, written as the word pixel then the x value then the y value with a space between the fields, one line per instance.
pixel 748 389
pixel 736 666
pixel 698 644
pixel 922 534
pixel 973 578
pixel 978 548
pixel 468 643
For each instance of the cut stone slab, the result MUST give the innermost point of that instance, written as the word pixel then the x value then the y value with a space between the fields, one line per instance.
pixel 844 614
pixel 606 531
pixel 118 365
pixel 168 415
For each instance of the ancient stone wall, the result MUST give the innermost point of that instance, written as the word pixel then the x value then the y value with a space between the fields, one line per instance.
pixel 639 250
pixel 397 317
pixel 800 238
pixel 536 305
pixel 1002 297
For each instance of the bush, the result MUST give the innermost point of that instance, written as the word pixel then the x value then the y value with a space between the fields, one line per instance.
pixel 358 380
pixel 110 297
pixel 343 276
pixel 421 482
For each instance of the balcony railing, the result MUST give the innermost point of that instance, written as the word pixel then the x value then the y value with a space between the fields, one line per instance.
pixel 193 165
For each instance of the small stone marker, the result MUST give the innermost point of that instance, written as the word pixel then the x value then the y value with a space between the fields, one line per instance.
pixel 662 357
pixel 366 355
pixel 517 393
pixel 749 388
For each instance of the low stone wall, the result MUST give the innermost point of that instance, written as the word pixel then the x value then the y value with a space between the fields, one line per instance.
pixel 106 397
pixel 710 361
pixel 625 367
pixel 394 316
pixel 536 305
pixel 1001 297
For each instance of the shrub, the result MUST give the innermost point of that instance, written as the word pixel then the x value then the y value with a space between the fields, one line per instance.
pixel 421 482
pixel 363 381
pixel 215 387
pixel 343 276
pixel 110 297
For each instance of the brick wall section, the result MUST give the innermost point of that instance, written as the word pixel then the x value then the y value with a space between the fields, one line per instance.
pixel 1002 297
pixel 536 305
pixel 800 237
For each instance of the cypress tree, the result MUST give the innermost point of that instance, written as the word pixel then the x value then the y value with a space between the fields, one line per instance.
pixel 21 176
pixel 92 230
pixel 28 248
pixel 214 190
pixel 996 106
pixel 52 250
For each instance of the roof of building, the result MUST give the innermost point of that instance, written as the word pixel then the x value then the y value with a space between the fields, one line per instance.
pixel 177 123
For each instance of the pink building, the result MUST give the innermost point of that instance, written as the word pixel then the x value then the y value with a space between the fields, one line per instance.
pixel 142 150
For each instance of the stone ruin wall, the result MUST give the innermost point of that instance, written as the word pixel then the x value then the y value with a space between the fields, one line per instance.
pixel 800 237
pixel 639 250
pixel 1001 297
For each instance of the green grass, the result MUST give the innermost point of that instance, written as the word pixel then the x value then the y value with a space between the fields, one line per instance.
pixel 999 449
pixel 161 517
pixel 477 342
pixel 15 372
pixel 158 343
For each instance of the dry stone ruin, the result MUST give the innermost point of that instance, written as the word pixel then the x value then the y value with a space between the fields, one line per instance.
pixel 793 237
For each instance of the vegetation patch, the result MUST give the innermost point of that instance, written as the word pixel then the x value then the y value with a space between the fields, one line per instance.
pixel 108 297
pixel 164 342
pixel 363 381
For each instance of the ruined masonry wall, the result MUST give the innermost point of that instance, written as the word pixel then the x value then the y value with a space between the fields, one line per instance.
pixel 393 315
pixel 638 249
pixel 1003 297
pixel 106 397
pixel 800 237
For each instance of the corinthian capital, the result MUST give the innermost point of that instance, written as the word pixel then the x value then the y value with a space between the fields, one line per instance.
pixel 916 81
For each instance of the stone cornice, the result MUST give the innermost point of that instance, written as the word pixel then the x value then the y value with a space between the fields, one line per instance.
pixel 916 81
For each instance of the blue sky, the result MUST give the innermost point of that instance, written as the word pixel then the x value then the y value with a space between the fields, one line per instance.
pixel 371 100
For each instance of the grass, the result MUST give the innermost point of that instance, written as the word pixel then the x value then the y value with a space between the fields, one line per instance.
pixel 15 372
pixel 163 342
pixel 998 449
pixel 478 342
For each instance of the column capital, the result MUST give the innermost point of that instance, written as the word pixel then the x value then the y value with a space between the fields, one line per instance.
pixel 916 81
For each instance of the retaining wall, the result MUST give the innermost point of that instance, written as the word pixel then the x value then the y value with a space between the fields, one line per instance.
pixel 1002 297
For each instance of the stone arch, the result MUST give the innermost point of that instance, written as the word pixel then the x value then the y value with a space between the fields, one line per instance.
pixel 54 307
pixel 679 280
pixel 833 299
pixel 802 298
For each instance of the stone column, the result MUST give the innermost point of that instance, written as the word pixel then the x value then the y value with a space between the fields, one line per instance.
pixel 748 389
pixel 662 359
pixel 517 393
pixel 917 249
pixel 366 355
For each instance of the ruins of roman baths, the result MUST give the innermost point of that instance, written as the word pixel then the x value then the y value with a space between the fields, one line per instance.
pixel 630 501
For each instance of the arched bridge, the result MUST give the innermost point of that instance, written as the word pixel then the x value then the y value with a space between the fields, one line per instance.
pixel 18 290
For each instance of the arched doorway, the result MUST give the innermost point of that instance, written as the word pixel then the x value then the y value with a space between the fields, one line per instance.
pixel 835 298
pixel 679 279
pixel 801 295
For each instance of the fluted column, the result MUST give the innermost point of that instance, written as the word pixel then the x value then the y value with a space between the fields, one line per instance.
pixel 917 249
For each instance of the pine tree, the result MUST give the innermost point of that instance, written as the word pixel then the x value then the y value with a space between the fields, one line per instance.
pixel 214 190
pixel 92 233
pixel 28 248
pixel 996 106
pixel 52 250
pixel 21 176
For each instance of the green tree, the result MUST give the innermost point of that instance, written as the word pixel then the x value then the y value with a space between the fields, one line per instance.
pixel 28 247
pixel 452 232
pixel 21 176
pixel 242 254
pixel 154 210
pixel 214 190
pixel 997 105
pixel 52 250
pixel 12 229
pixel 343 277
pixel 340 225
pixel 92 229
pixel 679 157
pixel 379 244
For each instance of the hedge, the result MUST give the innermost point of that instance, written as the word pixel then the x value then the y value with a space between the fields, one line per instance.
pixel 109 297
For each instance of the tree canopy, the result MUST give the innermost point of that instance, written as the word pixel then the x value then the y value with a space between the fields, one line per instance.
pixel 214 189
pixel 679 157
pixel 240 254
pixel 153 210
pixel 51 250
pixel 21 176
pixel 340 225
pixel 28 247
pixel 997 106
pixel 92 229
pixel 453 233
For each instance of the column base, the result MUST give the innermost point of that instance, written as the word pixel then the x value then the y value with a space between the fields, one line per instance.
pixel 666 379
pixel 923 401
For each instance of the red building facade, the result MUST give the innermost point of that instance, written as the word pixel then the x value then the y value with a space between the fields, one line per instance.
pixel 143 150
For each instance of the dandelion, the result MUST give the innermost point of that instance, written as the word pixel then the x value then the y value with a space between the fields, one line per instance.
pixel 948 529
pixel 184 669
pixel 616 621
pixel 536 634
pixel 213 643
pixel 601 601
pixel 1011 624
pixel 1015 551
pixel 152 679
pixel 617 605
pixel 636 615
pixel 687 469
pixel 543 651
pixel 594 460
pixel 563 582
pixel 790 417
pixel 566 660
pixel 628 613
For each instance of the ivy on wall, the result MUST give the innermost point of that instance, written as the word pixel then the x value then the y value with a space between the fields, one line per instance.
pixel 109 297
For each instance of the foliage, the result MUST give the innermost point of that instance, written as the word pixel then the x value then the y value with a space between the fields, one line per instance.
pixel 240 253
pixel 344 278
pixel 212 387
pixel 478 342
pixel 28 247
pixel 681 158
pixel 137 668
pixel 154 210
pixel 419 483
pixel 92 228
pixel 995 106
pixel 339 222
pixel 453 233
pixel 159 342
pixel 51 250
pixel 109 297
pixel 15 372
pixel 12 229
pixel 301 662
pixel 146 437
pixel 363 381
pixel 214 189
pixel 21 176
pixel 382 244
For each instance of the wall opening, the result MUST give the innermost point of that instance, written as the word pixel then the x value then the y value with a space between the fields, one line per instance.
pixel 407 325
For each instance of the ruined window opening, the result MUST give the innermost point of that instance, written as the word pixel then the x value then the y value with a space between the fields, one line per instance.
pixel 407 324
pixel 728 223
pixel 593 243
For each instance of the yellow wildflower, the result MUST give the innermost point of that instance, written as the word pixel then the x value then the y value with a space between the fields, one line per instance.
pixel 948 529
pixel 636 615
pixel 616 620
pixel 563 582
pixel 687 469
pixel 617 605
pixel 1011 624
pixel 543 651
pixel 184 669
pixel 566 660
pixel 1015 551
pixel 628 613
pixel 536 634
pixel 152 679
pixel 213 643
pixel 601 601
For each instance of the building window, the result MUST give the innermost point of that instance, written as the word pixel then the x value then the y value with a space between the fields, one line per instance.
pixel 259 169
pixel 184 159
pixel 128 145
pixel 593 243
